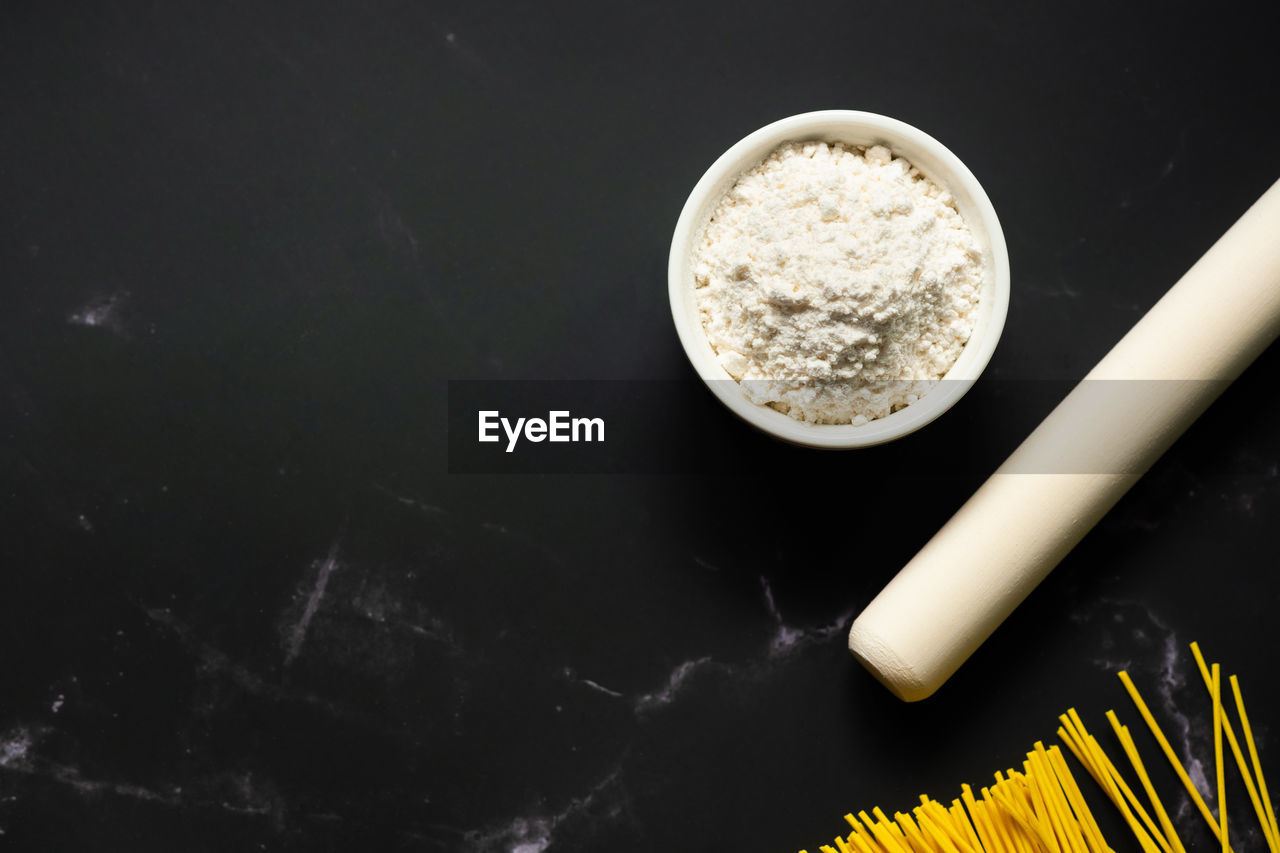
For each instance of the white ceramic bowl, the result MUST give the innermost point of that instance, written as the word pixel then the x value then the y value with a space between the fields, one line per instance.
pixel 931 158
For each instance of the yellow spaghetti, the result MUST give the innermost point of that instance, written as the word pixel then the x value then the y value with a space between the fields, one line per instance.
pixel 1041 809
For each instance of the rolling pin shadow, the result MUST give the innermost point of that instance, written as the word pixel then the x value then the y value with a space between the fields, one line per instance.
pixel 1078 462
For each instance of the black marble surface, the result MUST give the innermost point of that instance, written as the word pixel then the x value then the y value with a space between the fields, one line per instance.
pixel 244 247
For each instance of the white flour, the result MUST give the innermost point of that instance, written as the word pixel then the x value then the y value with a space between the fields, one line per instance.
pixel 836 284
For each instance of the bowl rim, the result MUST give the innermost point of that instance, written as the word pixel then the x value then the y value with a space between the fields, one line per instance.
pixel 974 205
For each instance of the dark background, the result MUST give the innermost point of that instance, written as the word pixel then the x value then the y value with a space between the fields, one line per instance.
pixel 244 605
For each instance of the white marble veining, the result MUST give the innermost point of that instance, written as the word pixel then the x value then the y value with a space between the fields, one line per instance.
pixel 675 683
pixel 535 832
pixel 105 311
pixel 297 635
pixel 236 792
pixel 1132 634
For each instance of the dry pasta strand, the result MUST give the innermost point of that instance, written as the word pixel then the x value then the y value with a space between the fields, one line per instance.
pixel 1169 840
pixel 1217 756
pixel 1273 843
pixel 1040 808
pixel 1253 754
pixel 1169 753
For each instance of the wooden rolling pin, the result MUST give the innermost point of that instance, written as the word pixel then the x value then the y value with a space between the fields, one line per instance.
pixel 1085 455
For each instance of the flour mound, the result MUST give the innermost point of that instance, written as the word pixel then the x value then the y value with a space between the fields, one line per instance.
pixel 837 284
